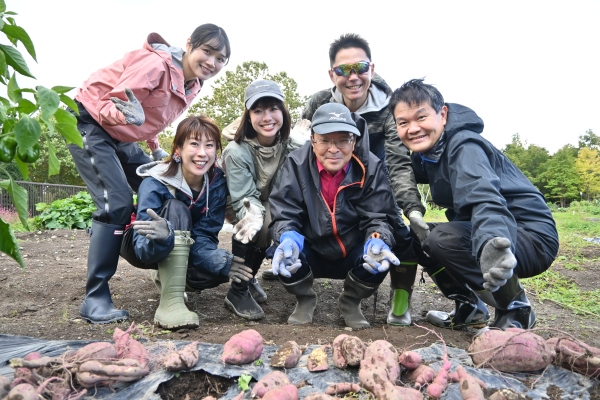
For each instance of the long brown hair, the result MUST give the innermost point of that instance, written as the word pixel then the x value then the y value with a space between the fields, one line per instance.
pixel 194 127
pixel 246 130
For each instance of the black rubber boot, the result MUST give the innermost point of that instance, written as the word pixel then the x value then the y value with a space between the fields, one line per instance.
pixel 513 309
pixel 350 299
pixel 253 257
pixel 103 257
pixel 402 278
pixel 240 301
pixel 469 310
pixel 268 275
pixel 306 299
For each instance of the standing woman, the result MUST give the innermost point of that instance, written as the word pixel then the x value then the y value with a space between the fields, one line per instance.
pixel 251 163
pixel 181 209
pixel 132 100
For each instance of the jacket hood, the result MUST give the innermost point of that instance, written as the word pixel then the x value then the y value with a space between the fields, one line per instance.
pixel 156 169
pixel 361 149
pixel 378 96
pixel 461 118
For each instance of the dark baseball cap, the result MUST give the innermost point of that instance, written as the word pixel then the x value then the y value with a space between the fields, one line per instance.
pixel 262 88
pixel 333 117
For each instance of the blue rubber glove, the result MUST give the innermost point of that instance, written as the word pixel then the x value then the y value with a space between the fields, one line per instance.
pixel 159 154
pixel 286 258
pixel 378 256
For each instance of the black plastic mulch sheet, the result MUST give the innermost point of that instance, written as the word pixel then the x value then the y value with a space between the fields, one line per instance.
pixel 572 385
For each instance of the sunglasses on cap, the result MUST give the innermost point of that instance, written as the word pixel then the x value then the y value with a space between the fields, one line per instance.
pixel 346 69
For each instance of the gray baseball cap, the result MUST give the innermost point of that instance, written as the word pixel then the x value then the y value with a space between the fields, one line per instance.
pixel 262 88
pixel 333 117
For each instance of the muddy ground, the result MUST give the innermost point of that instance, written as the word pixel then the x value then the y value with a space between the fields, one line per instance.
pixel 43 301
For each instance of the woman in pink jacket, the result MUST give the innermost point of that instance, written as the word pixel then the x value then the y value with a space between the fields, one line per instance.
pixel 132 100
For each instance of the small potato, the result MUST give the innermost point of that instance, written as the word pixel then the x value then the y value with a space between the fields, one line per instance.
pixel 287 392
pixel 182 359
pixel 287 355
pixel 242 348
pixel 23 391
pixel 272 380
pixel 410 359
pixel 317 360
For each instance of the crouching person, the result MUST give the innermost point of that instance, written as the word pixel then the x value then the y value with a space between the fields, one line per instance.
pixel 334 216
pixel 181 209
pixel 501 228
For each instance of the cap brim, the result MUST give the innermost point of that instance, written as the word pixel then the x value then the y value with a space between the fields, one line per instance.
pixel 250 102
pixel 330 127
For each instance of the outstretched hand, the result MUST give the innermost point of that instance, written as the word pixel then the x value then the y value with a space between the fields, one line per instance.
pixel 132 109
pixel 286 258
pixel 247 227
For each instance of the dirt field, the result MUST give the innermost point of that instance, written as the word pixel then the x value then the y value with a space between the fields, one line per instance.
pixel 43 301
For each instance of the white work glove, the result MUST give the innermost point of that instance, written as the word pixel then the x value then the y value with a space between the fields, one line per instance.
pixel 378 256
pixel 159 154
pixel 247 227
pixel 418 225
pixel 156 229
pixel 238 271
pixel 300 133
pixel 132 109
pixel 285 260
pixel 497 263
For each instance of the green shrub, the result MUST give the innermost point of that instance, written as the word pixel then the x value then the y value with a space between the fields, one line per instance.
pixel 74 212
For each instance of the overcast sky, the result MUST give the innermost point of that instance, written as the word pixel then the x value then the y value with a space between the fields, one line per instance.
pixel 526 67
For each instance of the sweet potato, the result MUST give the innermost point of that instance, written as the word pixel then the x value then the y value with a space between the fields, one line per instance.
pixel 182 359
pixel 410 359
pixel 287 392
pixel 342 388
pixel 93 351
pixel 243 348
pixel 4 386
pixel 347 351
pixel 272 380
pixel 470 388
pixel 439 384
pixel 95 373
pixel 339 361
pixel 287 355
pixel 576 356
pixel 23 391
pixel 421 376
pixel 318 396
pixel 129 348
pixel 512 350
pixel 383 354
pixel 317 360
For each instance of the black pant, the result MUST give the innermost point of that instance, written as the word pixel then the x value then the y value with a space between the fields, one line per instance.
pixel 449 245
pixel 108 168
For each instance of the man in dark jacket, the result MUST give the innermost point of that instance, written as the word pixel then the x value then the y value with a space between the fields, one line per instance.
pixel 501 228
pixel 334 216
pixel 359 88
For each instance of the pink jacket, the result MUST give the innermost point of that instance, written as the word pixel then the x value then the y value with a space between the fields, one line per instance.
pixel 156 83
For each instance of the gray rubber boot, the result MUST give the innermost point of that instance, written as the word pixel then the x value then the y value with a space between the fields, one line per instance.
pixel 402 278
pixel 350 299
pixel 513 309
pixel 469 309
pixel 103 258
pixel 306 299
pixel 172 312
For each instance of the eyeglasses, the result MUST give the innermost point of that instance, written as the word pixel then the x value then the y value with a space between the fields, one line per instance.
pixel 346 69
pixel 341 144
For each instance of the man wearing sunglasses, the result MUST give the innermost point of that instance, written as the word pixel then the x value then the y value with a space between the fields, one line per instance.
pixel 334 216
pixel 358 87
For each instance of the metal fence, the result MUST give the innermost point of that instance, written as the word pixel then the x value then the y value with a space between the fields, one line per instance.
pixel 40 193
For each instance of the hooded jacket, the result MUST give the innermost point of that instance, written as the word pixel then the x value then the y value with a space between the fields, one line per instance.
pixel 364 203
pixel 477 183
pixel 383 139
pixel 156 82
pixel 208 213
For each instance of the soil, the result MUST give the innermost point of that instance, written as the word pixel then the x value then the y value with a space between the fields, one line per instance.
pixel 43 300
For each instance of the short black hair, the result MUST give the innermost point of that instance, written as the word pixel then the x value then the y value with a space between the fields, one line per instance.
pixel 347 41
pixel 416 92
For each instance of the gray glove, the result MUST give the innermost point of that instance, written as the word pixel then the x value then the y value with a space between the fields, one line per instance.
pixel 418 225
pixel 159 154
pixel 238 271
pixel 132 109
pixel 246 229
pixel 497 263
pixel 157 229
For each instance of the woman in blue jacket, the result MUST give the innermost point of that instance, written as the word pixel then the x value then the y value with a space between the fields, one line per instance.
pixel 181 209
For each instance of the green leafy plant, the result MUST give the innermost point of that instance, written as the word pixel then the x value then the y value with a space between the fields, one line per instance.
pixel 74 212
pixel 26 114
pixel 258 362
pixel 244 381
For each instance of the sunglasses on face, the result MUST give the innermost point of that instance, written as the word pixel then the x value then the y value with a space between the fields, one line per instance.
pixel 346 69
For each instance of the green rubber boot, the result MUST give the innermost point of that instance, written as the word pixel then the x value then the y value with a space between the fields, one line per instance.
pixel 172 312
pixel 402 278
